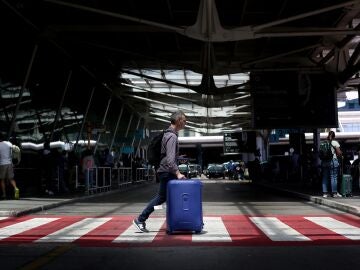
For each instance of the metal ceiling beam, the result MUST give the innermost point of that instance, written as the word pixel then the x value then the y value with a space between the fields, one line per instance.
pixel 172 18
pixel 116 15
pixel 305 32
pixel 208 27
pixel 203 88
pixel 161 94
pixel 350 71
pixel 339 45
pixel 51 40
pixel 58 111
pixel 103 122
pixel 355 56
pixel 202 125
pixel 304 15
pixel 26 80
pixel 140 55
pixel 116 127
pixel 106 28
pixel 159 102
pixel 84 118
pixel 200 130
pixel 280 55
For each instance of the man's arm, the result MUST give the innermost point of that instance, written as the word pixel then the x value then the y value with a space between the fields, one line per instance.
pixel 171 157
pixel 338 151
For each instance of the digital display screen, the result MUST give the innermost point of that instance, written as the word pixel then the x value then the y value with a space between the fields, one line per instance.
pixel 293 100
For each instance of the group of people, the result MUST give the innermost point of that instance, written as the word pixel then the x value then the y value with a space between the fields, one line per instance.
pixel 235 170
pixel 63 165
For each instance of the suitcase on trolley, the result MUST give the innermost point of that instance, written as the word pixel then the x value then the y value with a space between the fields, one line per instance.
pixel 346 185
pixel 184 206
pixel 346 181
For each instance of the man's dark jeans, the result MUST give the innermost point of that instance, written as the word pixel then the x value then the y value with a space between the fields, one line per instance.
pixel 160 197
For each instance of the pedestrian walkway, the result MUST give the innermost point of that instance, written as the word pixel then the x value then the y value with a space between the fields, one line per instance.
pixel 224 230
pixel 33 204
pixel 297 189
pixel 28 205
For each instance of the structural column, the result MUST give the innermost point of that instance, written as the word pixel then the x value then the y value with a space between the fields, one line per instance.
pixel 316 140
pixel 13 120
pixel 116 127
pixel 103 122
pixel 84 118
pixel 127 131
pixel 137 126
pixel 58 112
pixel 139 143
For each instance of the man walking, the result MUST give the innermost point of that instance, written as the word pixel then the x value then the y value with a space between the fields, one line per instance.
pixel 6 167
pixel 168 168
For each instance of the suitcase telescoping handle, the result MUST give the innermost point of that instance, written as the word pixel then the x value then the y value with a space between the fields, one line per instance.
pixel 342 166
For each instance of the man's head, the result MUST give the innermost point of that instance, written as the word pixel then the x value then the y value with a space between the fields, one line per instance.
pixel 178 120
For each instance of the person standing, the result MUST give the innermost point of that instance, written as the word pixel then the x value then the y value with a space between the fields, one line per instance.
pixel 6 167
pixel 47 166
pixel 330 168
pixel 87 166
pixel 168 168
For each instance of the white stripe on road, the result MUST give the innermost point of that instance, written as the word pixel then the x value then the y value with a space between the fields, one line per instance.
pixel 276 230
pixel 23 226
pixel 337 226
pixel 132 234
pixel 74 231
pixel 214 231
pixel 1 218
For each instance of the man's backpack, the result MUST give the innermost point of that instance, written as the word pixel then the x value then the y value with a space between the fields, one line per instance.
pixel 325 152
pixel 154 150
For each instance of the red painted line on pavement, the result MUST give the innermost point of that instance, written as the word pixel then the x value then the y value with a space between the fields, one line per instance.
pixel 242 230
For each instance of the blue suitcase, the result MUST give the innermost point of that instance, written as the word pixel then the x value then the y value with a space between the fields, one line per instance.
pixel 184 206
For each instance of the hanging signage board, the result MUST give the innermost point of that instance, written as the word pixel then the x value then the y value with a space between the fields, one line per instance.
pixel 127 149
pixel 231 143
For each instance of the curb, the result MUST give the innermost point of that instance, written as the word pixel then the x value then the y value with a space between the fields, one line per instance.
pixel 18 213
pixel 319 200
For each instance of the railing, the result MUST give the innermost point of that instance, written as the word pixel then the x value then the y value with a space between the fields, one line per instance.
pixel 92 180
pixel 123 176
pixel 74 176
pixel 145 174
pixel 97 179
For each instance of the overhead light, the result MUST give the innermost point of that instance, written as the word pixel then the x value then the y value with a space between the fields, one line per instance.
pixel 240 113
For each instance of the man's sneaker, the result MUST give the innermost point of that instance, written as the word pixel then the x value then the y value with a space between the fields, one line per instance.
pixel 17 194
pixel 325 195
pixel 337 195
pixel 141 226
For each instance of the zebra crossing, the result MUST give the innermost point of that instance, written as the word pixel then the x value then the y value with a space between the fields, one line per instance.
pixel 218 230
